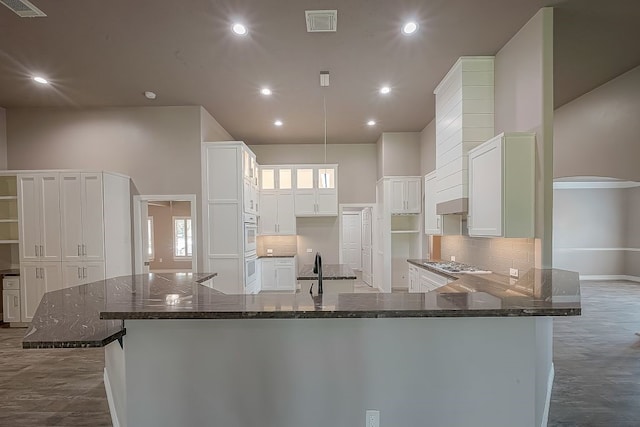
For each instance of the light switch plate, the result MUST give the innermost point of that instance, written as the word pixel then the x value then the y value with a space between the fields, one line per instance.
pixel 309 250
pixel 373 418
pixel 269 251
pixel 513 272
pixel 453 257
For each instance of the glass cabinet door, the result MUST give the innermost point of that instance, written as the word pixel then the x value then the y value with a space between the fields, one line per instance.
pixel 268 179
pixel 304 178
pixel 326 178
pixel 284 179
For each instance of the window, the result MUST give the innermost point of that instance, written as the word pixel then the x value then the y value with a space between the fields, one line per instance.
pixel 150 253
pixel 182 238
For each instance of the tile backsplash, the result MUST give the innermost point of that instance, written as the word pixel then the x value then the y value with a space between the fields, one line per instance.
pixel 280 245
pixel 497 254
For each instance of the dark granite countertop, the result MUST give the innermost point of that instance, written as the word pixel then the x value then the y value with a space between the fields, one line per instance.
pixel 10 272
pixel 92 315
pixel 329 272
pixel 70 317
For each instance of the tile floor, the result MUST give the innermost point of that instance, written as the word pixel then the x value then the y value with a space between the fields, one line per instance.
pixel 597 361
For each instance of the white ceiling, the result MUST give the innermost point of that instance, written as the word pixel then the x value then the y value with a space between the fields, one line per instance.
pixel 101 53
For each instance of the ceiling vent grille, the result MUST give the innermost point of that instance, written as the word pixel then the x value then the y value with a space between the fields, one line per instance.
pixel 321 21
pixel 23 8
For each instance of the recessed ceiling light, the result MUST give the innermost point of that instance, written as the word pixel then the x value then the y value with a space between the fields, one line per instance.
pixel 385 90
pixel 278 123
pixel 41 80
pixel 150 95
pixel 265 91
pixel 409 28
pixel 371 123
pixel 239 29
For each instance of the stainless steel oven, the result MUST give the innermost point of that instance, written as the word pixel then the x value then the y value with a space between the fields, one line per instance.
pixel 250 233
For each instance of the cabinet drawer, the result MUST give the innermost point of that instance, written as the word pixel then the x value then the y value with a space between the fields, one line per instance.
pixel 11 283
pixel 284 261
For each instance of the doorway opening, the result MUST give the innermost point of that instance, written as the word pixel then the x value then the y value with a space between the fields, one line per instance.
pixel 356 239
pixel 165 230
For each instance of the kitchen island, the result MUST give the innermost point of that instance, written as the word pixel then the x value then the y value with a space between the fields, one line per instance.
pixel 336 278
pixel 192 356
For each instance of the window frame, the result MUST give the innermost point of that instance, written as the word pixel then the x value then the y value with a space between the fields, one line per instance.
pixel 174 237
pixel 151 244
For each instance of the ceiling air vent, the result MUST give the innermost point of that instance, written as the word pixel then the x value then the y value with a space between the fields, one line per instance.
pixel 23 8
pixel 319 21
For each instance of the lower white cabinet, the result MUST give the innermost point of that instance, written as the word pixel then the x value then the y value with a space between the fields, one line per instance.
pixel 423 280
pixel 37 279
pixel 278 274
pixel 11 305
pixel 79 273
pixel 414 279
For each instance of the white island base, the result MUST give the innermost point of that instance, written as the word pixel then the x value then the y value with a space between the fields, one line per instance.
pixel 436 372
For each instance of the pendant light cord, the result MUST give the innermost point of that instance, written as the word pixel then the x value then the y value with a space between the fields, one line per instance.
pixel 324 105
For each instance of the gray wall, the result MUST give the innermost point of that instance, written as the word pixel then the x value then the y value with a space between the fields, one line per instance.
pixel 524 103
pixel 3 138
pixel 597 231
pixel 158 147
pixel 400 153
pixel 210 129
pixel 356 184
pixel 598 134
pixel 428 148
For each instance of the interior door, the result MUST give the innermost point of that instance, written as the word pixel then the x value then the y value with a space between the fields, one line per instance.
pixel 367 246
pixel 145 232
pixel 352 240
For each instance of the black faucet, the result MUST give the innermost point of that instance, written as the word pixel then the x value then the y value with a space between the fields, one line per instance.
pixel 317 269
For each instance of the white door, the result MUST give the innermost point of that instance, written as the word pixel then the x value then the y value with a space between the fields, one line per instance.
pixel 92 217
pixel 286 213
pixel 485 190
pixel 268 213
pixel 352 239
pixel 11 305
pixel 367 246
pixel 71 215
pixel 147 243
pixel 50 235
pixel 413 195
pixel 29 214
pixel 33 288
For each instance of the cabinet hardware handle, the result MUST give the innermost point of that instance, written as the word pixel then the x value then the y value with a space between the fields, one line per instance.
pixel 84 249
pixel 37 271
pixel 84 272
pixel 37 251
pixel 15 301
pixel 79 277
pixel 78 250
pixel 438 222
pixel 41 250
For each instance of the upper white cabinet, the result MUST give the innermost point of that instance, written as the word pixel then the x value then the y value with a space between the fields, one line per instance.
pixel 277 216
pixel 316 190
pixel 405 195
pixel 250 183
pixel 464 119
pixel 82 216
pixel 502 186
pixel 435 224
pixel 39 216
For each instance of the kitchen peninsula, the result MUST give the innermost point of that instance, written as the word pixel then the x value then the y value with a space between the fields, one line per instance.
pixel 193 356
pixel 337 278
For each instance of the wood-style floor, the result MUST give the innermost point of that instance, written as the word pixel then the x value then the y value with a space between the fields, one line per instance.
pixel 597 362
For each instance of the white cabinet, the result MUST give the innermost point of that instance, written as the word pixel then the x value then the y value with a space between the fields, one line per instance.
pixel 39 215
pixel 250 181
pixel 414 279
pixel 82 216
pixel 502 186
pixel 37 279
pixel 405 195
pixel 430 281
pixel 278 274
pixel 11 305
pixel 435 224
pixel 316 190
pixel 277 216
pixel 80 273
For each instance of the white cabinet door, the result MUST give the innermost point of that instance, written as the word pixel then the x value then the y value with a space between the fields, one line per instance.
pixel 50 229
pixel 286 213
pixel 398 200
pixel 431 219
pixel 93 272
pixel 327 203
pixel 412 195
pixel 305 202
pixel 33 288
pixel 285 278
pixel 29 214
pixel 485 189
pixel 71 274
pixel 268 212
pixel 92 217
pixel 71 216
pixel 51 273
pixel 11 305
pixel 268 268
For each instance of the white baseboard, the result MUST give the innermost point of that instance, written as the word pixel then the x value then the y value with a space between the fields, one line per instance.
pixel 547 403
pixel 112 405
pixel 609 277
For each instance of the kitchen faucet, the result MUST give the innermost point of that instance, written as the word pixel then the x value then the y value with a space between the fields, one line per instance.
pixel 317 269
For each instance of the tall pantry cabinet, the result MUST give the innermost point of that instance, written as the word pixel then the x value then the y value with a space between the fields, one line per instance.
pixel 74 228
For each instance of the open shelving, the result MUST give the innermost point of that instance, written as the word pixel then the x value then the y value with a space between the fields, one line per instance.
pixel 8 209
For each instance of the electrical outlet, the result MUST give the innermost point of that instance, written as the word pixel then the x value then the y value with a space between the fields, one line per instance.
pixel 309 250
pixel 513 272
pixel 453 257
pixel 269 251
pixel 160 259
pixel 373 418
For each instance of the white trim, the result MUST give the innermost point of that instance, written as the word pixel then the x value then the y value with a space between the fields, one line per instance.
pixel 547 403
pixel 112 406
pixel 609 277
pixel 595 249
pixel 137 223
pixel 564 185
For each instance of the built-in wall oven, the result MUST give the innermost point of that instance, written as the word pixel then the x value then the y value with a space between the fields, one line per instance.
pixel 250 233
pixel 251 284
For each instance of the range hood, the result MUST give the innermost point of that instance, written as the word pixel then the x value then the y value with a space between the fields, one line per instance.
pixel 457 206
